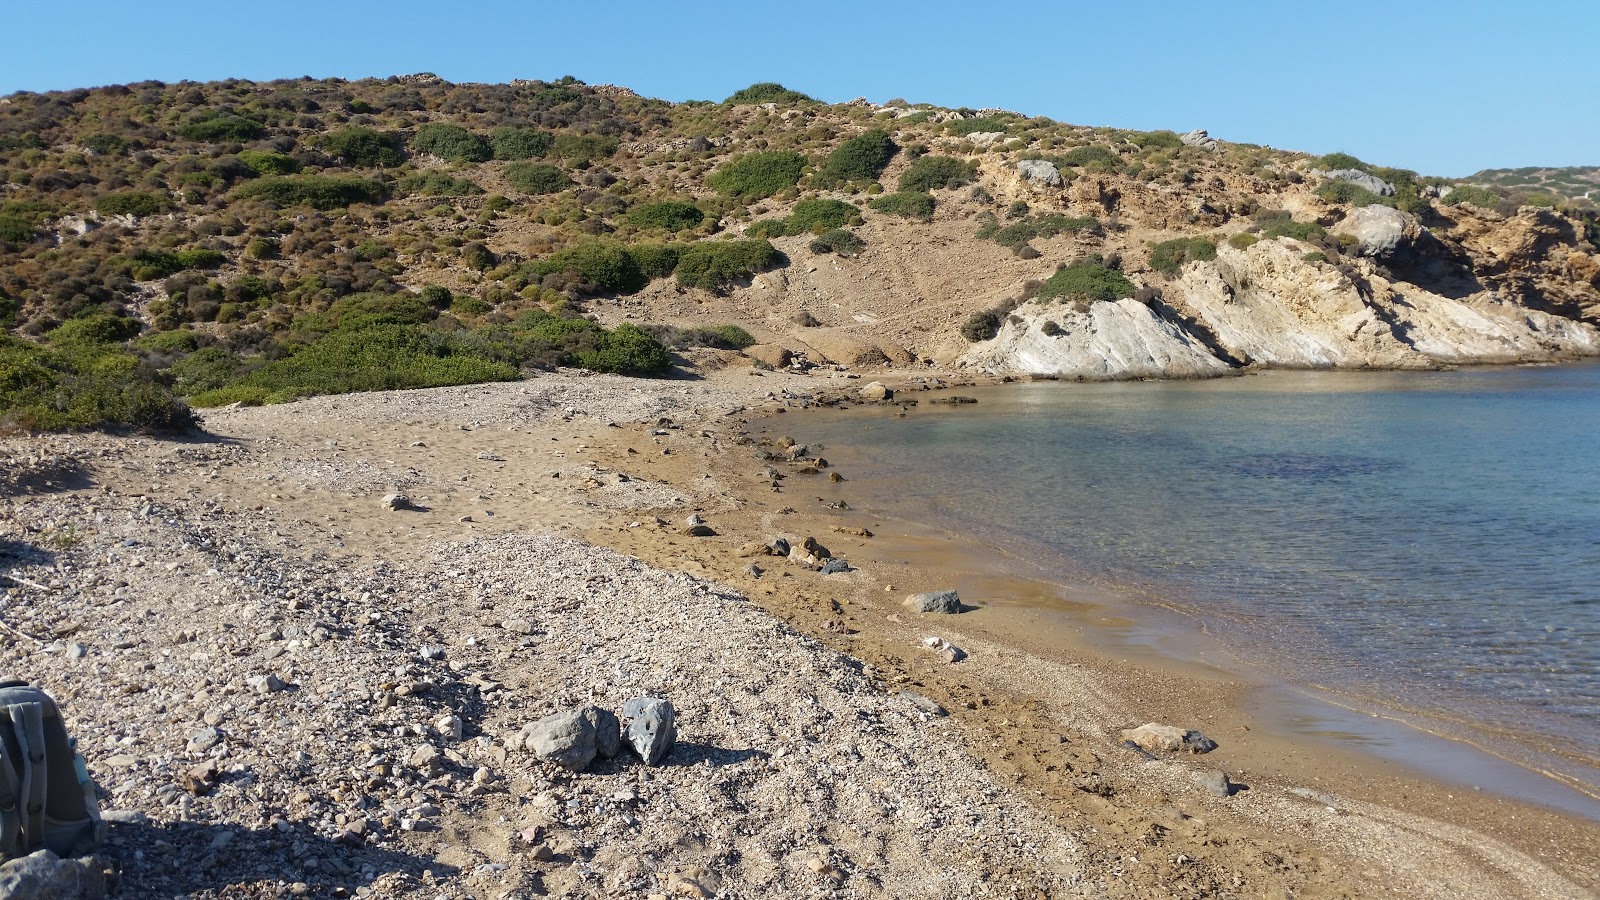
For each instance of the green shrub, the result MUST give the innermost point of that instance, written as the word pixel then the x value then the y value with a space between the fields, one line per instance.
pixel 219 127
pixel 438 184
pixel 476 256
pixel 1244 240
pixel 756 176
pixel 1339 161
pixel 838 241
pixel 1156 140
pixel 436 296
pixel 14 230
pixel 1343 192
pixel 81 385
pixel 95 329
pixel 265 162
pixel 578 148
pixel 859 159
pixel 627 350
pixel 130 203
pixel 931 172
pixel 451 142
pixel 599 266
pixel 316 191
pixel 1315 256
pixel 203 370
pixel 1093 156
pixel 511 143
pixel 537 178
pixel 201 258
pixel 177 341
pixel 983 325
pixel 820 214
pixel 655 260
pixel 1281 227
pixel 363 147
pixel 671 215
pixel 1086 279
pixel 1017 235
pixel 150 265
pixel 722 337
pixel 463 305
pixel 1471 194
pixel 963 127
pixel 379 356
pixel 714 265
pixel 105 144
pixel 910 204
pixel 766 92
pixel 262 248
pixel 1168 257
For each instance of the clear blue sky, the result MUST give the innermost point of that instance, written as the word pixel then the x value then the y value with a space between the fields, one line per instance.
pixel 1446 87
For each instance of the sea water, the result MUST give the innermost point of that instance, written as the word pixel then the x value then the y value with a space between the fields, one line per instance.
pixel 1431 540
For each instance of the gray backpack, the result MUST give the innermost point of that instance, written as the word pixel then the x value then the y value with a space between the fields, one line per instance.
pixel 46 797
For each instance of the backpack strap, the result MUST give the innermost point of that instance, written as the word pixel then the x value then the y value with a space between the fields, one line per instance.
pixel 28 719
pixel 10 797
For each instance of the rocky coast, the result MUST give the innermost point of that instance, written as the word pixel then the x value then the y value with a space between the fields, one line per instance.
pixel 301 652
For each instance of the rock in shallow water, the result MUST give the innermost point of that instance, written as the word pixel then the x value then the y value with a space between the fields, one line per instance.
pixel 652 727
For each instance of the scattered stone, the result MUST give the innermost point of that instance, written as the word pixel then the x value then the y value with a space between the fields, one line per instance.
pixel 700 531
pixel 876 390
pixel 946 651
pixel 652 728
pixel 1216 781
pixel 265 684
pixel 814 548
pixel 199 780
pixel 203 740
pixel 924 705
pixel 946 602
pixel 45 876
pixel 607 730
pixel 76 650
pixel 449 726
pixel 567 738
pixel 518 625
pixel 1039 171
pixel 834 567
pixel 396 501
pixel 1152 736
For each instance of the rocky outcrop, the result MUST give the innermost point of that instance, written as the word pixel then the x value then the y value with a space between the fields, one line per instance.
pixel 1362 180
pixel 1280 304
pixel 1104 341
pixel 1200 138
pixel 1039 172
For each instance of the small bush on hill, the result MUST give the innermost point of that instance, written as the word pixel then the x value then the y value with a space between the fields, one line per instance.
pixel 1087 279
pixel 1018 234
pixel 266 162
pixel 1284 227
pixel 577 148
pixel 520 143
pixel 437 184
pixel 537 178
pixel 1156 140
pixel 129 203
pixel 910 204
pixel 14 230
pixel 219 127
pixel 105 144
pixel 671 215
pixel 756 176
pixel 1473 195
pixel 316 191
pixel 766 92
pixel 1244 240
pixel 1093 156
pixel 1339 161
pixel 932 172
pixel 722 337
pixel 714 265
pixel 363 148
pixel 838 241
pixel 451 142
pixel 859 159
pixel 1168 257
pixel 201 258
pixel 820 214
pixel 598 266
pixel 962 127
pixel 1343 192
pixel 983 325
pixel 626 350
pixel 656 260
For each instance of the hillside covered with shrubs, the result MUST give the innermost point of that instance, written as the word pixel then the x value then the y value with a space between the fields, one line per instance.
pixel 164 246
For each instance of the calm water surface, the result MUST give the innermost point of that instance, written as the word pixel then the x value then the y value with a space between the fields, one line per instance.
pixel 1430 539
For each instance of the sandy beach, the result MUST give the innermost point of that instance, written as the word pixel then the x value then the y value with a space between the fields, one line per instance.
pixel 824 750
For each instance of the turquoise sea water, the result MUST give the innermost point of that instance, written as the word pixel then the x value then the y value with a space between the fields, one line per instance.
pixel 1427 539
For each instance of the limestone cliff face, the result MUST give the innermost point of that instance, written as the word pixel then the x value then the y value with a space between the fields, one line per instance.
pixel 1107 340
pixel 1274 305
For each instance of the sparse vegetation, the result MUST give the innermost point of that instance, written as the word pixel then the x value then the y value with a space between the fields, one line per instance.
pixel 838 241
pixel 715 265
pixel 316 191
pixel 537 178
pixel 859 159
pixel 671 215
pixel 1168 257
pixel 756 176
pixel 1087 279
pixel 933 172
pixel 916 205
pixel 451 142
pixel 766 92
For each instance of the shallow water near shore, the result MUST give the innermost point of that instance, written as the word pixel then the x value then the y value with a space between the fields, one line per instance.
pixel 1429 541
